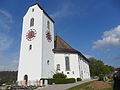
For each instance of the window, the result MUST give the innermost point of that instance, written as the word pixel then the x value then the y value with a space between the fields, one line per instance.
pixel 68 73
pixel 48 62
pixel 58 67
pixel 30 47
pixel 48 24
pixel 33 10
pixel 67 63
pixel 32 22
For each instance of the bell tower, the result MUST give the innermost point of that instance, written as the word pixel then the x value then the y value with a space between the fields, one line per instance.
pixel 36 56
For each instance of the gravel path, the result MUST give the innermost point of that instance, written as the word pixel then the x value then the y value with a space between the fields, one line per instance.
pixel 63 86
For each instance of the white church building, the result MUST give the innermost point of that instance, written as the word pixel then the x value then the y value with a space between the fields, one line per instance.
pixel 42 54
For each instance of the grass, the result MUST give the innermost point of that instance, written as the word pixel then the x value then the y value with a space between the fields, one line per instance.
pixel 78 87
pixel 85 87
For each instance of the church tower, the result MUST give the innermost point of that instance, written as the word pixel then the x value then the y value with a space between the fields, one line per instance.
pixel 37 42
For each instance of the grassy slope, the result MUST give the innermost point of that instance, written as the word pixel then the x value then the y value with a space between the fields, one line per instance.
pixel 84 87
pixel 80 86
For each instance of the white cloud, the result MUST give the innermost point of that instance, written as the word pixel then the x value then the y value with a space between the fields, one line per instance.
pixel 110 39
pixel 63 11
pixel 87 56
pixel 5 42
pixel 5 19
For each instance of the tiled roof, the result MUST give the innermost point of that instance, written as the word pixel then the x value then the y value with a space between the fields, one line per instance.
pixel 60 46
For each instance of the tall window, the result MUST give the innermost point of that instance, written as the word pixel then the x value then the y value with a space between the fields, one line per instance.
pixel 58 67
pixel 48 62
pixel 48 24
pixel 30 47
pixel 67 63
pixel 33 10
pixel 32 22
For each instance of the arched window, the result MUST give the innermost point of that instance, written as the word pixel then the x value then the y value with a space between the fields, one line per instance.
pixel 48 24
pixel 30 47
pixel 58 67
pixel 33 10
pixel 67 63
pixel 32 22
pixel 48 62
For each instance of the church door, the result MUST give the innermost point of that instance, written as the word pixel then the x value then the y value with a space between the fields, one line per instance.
pixel 26 79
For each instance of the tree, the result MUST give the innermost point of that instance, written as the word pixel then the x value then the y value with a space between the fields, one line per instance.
pixel 98 68
pixel 8 77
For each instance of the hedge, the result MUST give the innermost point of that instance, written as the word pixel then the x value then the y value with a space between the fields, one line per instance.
pixel 59 75
pixel 59 80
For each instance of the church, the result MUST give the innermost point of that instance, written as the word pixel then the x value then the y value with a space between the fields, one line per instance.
pixel 42 54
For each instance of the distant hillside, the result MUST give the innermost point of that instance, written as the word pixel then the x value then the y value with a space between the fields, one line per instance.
pixel 8 77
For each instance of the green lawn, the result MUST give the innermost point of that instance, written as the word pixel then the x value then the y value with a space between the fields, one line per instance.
pixel 85 87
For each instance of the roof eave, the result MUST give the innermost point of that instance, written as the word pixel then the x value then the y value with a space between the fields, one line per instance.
pixel 69 51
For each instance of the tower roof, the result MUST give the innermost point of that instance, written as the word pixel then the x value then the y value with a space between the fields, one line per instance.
pixel 60 46
pixel 43 11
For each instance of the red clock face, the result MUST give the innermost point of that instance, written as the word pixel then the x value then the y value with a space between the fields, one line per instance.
pixel 48 36
pixel 31 34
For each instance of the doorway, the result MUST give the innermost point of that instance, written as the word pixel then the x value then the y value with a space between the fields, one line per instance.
pixel 26 79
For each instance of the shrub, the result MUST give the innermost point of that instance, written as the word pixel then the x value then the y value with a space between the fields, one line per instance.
pixel 79 79
pixel 101 77
pixel 59 75
pixel 60 80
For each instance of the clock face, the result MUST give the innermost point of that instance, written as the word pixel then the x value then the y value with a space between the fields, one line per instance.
pixel 31 34
pixel 48 36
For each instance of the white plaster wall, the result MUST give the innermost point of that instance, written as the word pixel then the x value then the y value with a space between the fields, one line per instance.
pixel 30 60
pixel 74 66
pixel 84 75
pixel 81 67
pixel 47 47
pixel 88 70
pixel 85 69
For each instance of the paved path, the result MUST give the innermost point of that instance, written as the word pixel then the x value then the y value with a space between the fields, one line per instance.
pixel 63 86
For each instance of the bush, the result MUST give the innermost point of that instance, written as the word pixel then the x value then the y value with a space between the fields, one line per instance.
pixel 60 80
pixel 101 77
pixel 59 75
pixel 79 79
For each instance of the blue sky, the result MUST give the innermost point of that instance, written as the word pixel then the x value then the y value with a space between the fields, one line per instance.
pixel 90 26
